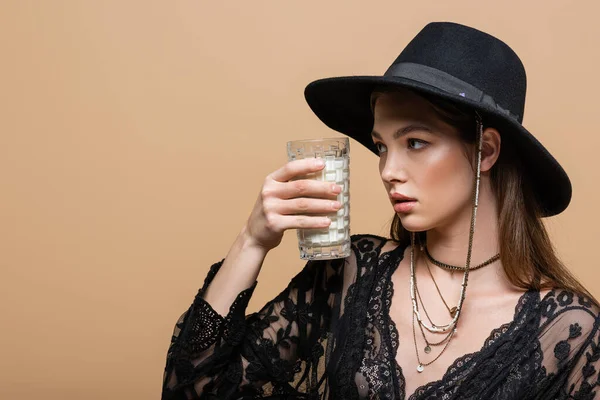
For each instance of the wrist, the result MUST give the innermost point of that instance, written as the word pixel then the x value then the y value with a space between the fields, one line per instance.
pixel 247 242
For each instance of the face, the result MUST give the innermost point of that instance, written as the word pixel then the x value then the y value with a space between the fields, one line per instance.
pixel 421 158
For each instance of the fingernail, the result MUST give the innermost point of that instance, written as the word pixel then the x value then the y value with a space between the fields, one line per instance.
pixel 335 204
pixel 336 189
pixel 319 162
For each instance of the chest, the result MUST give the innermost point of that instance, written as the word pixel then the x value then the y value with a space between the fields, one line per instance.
pixel 479 317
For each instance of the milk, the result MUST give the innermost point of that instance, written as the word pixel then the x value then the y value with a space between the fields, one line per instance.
pixel 334 241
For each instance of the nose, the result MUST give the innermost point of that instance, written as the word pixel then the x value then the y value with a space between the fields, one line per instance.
pixel 392 169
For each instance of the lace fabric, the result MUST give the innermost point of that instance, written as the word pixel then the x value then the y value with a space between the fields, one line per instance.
pixel 329 335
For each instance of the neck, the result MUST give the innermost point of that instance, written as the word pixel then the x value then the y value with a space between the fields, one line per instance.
pixel 449 243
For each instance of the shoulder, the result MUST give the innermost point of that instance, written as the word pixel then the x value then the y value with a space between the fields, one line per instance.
pixel 565 312
pixel 366 243
pixel 564 303
pixel 369 250
pixel 568 335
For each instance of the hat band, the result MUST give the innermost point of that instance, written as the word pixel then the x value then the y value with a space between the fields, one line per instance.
pixel 446 82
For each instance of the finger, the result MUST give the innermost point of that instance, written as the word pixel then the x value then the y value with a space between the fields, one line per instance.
pixel 307 188
pixel 296 168
pixel 303 205
pixel 303 222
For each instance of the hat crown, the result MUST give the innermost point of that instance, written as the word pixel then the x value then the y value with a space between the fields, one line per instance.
pixel 472 56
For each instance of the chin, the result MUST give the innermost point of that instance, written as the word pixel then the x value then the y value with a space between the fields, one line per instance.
pixel 414 223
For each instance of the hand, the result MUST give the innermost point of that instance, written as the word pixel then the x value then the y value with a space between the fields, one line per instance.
pixel 288 202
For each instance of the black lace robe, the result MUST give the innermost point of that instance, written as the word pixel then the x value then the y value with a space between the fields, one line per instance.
pixel 329 335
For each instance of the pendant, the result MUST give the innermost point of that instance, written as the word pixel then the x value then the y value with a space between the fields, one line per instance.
pixel 427 349
pixel 453 312
pixel 420 368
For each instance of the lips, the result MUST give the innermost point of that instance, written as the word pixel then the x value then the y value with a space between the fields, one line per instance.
pixel 404 206
pixel 402 203
pixel 400 197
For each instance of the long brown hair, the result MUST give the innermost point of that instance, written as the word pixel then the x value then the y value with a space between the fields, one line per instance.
pixel 528 257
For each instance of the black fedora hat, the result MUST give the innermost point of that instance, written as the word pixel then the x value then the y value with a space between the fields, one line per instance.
pixel 463 65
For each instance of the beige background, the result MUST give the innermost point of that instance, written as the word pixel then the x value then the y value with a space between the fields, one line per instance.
pixel 135 135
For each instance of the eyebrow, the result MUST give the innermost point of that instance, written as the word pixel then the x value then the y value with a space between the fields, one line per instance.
pixel 403 131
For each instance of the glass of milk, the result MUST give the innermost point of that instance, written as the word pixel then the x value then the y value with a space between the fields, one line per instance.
pixel 333 241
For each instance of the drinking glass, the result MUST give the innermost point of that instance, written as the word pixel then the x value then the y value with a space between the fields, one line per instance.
pixel 333 241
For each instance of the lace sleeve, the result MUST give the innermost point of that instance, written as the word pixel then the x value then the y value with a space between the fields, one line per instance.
pixel 584 378
pixel 276 350
pixel 570 340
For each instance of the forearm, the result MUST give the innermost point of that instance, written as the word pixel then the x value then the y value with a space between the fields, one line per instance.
pixel 238 272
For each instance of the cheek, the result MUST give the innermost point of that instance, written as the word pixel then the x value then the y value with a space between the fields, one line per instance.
pixel 446 176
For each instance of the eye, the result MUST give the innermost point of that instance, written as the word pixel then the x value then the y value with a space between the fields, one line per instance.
pixel 416 144
pixel 380 147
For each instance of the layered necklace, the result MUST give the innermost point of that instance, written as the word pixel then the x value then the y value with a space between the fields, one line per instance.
pixel 456 268
pixel 451 311
pixel 447 329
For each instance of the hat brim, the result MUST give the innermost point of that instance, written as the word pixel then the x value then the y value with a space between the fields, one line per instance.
pixel 343 104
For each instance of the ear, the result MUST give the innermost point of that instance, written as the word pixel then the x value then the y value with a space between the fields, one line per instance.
pixel 490 148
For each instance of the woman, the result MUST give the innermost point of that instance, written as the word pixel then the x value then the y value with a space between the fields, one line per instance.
pixel 466 300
